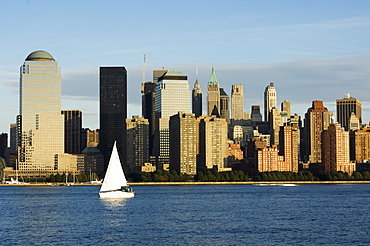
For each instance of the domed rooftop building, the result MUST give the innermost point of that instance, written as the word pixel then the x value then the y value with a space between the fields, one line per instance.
pixel 40 55
pixel 91 160
pixel 91 151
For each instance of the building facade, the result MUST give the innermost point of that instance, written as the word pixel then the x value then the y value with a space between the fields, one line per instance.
pixel 137 143
pixel 172 96
pixel 148 109
pixel 345 107
pixel 197 100
pixel 113 111
pixel 335 150
pixel 183 140
pixel 40 124
pixel 317 119
pixel 72 131
pixel 213 93
pixel 213 143
pixel 285 107
pixel 237 102
pixel 224 105
pixel 270 100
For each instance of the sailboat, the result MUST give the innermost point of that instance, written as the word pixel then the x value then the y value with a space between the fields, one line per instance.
pixel 115 183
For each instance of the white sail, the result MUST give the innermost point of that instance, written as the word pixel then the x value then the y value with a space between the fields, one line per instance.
pixel 114 177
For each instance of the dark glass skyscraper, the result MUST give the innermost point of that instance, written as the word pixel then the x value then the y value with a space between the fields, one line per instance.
pixel 148 104
pixel 197 100
pixel 113 111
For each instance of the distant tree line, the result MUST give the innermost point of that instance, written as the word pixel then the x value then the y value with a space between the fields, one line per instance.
pixel 234 176
pixel 286 176
pixel 308 176
pixel 160 176
pixel 173 176
pixel 211 176
pixel 214 176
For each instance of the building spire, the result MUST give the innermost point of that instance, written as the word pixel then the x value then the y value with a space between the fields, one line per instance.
pixel 213 79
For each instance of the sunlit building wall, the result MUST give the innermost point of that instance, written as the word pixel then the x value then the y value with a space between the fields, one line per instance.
pixel 40 124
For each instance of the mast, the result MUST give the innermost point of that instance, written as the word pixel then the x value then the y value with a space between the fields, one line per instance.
pixel 143 77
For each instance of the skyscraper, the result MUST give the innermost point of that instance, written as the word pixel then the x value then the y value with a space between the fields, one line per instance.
pixel 213 145
pixel 137 143
pixel 285 107
pixel 256 113
pixel 335 150
pixel 213 93
pixel 270 100
pixel 40 124
pixel 113 111
pixel 289 147
pixel 172 95
pixel 237 102
pixel 72 131
pixel 317 119
pixel 345 107
pixel 183 140
pixel 224 105
pixel 148 109
pixel 197 99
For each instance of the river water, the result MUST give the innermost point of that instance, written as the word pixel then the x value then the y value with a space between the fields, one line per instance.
pixel 307 214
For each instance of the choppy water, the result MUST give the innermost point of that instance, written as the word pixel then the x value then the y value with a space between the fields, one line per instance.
pixel 187 215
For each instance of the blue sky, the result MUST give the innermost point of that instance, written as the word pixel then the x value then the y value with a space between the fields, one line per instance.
pixel 310 49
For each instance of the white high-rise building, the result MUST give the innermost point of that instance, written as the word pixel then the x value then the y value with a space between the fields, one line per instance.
pixel 237 102
pixel 172 95
pixel 270 100
pixel 40 124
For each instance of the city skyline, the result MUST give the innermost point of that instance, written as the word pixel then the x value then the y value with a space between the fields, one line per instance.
pixel 299 47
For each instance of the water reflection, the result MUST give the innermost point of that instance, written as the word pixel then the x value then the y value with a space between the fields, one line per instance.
pixel 113 204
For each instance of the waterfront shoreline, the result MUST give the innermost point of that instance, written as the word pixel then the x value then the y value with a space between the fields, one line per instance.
pixel 206 183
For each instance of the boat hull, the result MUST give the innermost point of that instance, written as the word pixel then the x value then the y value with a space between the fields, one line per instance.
pixel 116 194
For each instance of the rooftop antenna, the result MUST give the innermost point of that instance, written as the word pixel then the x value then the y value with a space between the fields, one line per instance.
pixel 144 69
pixel 143 78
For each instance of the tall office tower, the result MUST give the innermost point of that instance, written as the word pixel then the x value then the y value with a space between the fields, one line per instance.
pixel 171 96
pixel 11 158
pixel 72 131
pixel 335 150
pixel 317 119
pixel 270 100
pixel 40 125
pixel 224 105
pixel 345 107
pixel 237 102
pixel 183 140
pixel 148 109
pixel 256 113
pixel 213 93
pixel 197 100
pixel 137 143
pixel 3 144
pixel 113 111
pixel 213 145
pixel 289 147
pixel 285 107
